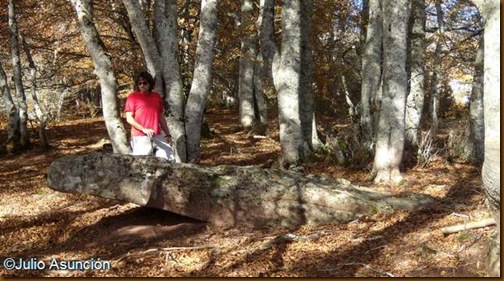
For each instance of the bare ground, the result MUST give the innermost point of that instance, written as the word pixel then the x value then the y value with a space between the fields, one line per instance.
pixel 39 224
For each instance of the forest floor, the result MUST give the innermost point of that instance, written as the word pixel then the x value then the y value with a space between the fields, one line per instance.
pixel 40 225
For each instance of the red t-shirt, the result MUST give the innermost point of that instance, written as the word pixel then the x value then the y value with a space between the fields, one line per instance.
pixel 146 109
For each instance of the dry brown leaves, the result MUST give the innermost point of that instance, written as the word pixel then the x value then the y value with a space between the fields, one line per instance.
pixel 39 223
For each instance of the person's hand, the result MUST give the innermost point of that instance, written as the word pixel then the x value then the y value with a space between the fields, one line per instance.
pixel 148 132
pixel 168 138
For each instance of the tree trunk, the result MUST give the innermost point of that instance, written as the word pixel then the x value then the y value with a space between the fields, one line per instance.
pixel 225 196
pixel 307 110
pixel 268 50
pixel 260 101
pixel 201 84
pixel 143 34
pixel 18 77
pixel 490 10
pixel 105 73
pixel 436 74
pixel 266 29
pixel 42 116
pixel 246 69
pixel 371 73
pixel 13 130
pixel 475 146
pixel 415 99
pixel 166 40
pixel 287 79
pixel 390 136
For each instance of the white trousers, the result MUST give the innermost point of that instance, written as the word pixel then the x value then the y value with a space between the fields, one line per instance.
pixel 157 145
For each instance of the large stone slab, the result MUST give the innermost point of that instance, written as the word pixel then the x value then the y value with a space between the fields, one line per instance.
pixel 223 195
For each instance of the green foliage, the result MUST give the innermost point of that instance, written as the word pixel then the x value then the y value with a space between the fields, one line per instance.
pixel 464 236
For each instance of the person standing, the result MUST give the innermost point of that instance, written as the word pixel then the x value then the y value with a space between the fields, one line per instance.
pixel 145 113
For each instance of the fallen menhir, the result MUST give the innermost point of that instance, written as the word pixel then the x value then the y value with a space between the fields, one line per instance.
pixel 225 196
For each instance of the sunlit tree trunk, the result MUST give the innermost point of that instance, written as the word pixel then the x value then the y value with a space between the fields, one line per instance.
pixel 415 99
pixel 287 79
pixel 201 84
pixel 475 146
pixel 246 68
pixel 18 79
pixel 165 14
pixel 105 73
pixel 371 73
pixel 252 102
pixel 390 134
pixel 13 131
pixel 490 10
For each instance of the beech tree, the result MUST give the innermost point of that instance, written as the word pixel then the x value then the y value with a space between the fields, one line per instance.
pixel 475 146
pixel 436 74
pixel 371 73
pixel 41 114
pixel 390 134
pixel 105 73
pixel 165 35
pixel 248 55
pixel 287 79
pixel 13 130
pixel 252 103
pixel 490 10
pixel 160 52
pixel 416 67
pixel 202 77
pixel 18 80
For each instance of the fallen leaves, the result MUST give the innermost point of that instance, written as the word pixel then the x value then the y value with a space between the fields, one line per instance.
pixel 36 221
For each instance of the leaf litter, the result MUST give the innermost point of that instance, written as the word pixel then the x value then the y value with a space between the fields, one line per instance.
pixel 38 222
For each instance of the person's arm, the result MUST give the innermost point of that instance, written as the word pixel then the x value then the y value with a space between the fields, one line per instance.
pixel 131 120
pixel 164 126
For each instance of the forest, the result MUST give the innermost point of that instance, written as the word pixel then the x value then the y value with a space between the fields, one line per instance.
pixel 381 117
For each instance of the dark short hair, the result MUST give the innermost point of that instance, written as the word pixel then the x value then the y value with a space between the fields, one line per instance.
pixel 145 76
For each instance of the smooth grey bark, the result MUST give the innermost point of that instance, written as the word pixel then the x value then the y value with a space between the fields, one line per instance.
pixel 287 79
pixel 390 134
pixel 264 78
pixel 252 102
pixel 105 73
pixel 490 10
pixel 226 196
pixel 371 74
pixel 165 35
pixel 307 105
pixel 13 130
pixel 18 76
pixel 246 84
pixel 202 77
pixel 144 37
pixel 415 99
pixel 266 29
pixel 436 73
pixel 41 115
pixel 475 146
pixel 260 100
pixel 186 64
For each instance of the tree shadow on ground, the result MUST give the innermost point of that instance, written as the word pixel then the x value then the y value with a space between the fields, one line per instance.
pixel 349 262
pixel 369 250
pixel 108 239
